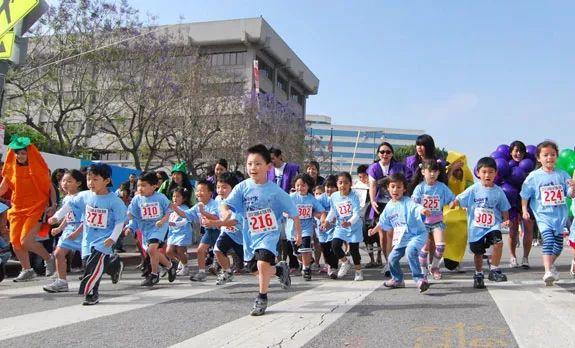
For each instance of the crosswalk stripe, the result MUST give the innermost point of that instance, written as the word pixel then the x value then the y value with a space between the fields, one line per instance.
pixel 290 323
pixel 35 287
pixel 39 321
pixel 552 307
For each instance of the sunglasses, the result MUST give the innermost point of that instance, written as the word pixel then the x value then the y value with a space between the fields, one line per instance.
pixel 385 152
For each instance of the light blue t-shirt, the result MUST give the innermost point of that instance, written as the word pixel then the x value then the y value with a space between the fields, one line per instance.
pixel 484 206
pixel 179 234
pixel 327 235
pixel 262 205
pixel 146 211
pixel 101 214
pixel 547 193
pixel 344 207
pixel 405 215
pixel 306 207
pixel 234 232
pixel 73 221
pixel 212 206
pixel 433 198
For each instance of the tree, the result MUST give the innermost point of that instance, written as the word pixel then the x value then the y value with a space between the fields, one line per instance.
pixel 63 89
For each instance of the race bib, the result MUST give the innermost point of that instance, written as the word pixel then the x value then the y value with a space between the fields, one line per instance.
pixel 398 233
pixel 150 211
pixel 552 195
pixel 305 211
pixel 70 217
pixel 173 217
pixel 96 217
pixel 484 217
pixel 261 221
pixel 344 209
pixel 431 203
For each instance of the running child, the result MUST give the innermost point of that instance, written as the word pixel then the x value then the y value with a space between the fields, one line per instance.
pixel 103 220
pixel 487 212
pixel 206 209
pixel 361 188
pixel 325 235
pixel 262 203
pixel 231 231
pixel 402 218
pixel 308 207
pixel 180 231
pixel 433 195
pixel 345 209
pixel 72 183
pixel 149 212
pixel 544 191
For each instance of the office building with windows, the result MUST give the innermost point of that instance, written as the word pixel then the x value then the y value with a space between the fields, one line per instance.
pixel 344 147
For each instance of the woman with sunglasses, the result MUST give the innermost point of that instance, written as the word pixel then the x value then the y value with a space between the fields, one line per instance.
pixel 378 195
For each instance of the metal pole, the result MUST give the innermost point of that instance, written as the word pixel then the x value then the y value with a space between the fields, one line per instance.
pixel 4 66
pixel 354 151
pixel 331 152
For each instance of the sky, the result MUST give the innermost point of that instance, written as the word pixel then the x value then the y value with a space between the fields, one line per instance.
pixel 473 74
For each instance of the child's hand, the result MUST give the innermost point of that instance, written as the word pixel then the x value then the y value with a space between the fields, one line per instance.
pixel 202 208
pixel 345 224
pixel 159 223
pixel 526 216
pixel 426 211
pixel 375 207
pixel 127 231
pixel 571 184
pixel 298 239
pixel 109 242
pixel 371 231
pixel 52 221
pixel 56 231
pixel 453 204
pixel 505 224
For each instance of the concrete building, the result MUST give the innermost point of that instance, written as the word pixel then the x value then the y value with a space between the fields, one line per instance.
pixel 351 145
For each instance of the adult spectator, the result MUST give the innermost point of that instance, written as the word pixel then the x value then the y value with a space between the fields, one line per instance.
pixel 162 177
pixel 282 173
pixel 312 169
pixel 424 149
pixel 179 178
pixel 220 167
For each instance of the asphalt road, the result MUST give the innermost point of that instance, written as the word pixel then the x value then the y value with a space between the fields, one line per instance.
pixel 320 313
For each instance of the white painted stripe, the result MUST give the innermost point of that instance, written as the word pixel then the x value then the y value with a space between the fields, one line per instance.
pixel 35 287
pixel 538 316
pixel 290 323
pixel 50 319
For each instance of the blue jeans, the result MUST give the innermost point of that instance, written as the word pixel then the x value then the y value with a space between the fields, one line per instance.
pixel 412 249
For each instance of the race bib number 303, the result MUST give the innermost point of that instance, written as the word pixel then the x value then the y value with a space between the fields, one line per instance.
pixel 484 217
pixel 552 195
pixel 96 217
pixel 150 211
pixel 261 221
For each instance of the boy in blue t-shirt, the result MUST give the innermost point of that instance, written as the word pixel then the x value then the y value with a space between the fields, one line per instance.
pixel 262 203
pixel 487 212
pixel 149 212
pixel 103 220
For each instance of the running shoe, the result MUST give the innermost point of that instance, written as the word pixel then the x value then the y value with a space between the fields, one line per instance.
pixel 497 276
pixel 394 284
pixel 25 275
pixel 260 306
pixel 118 275
pixel 344 269
pixel 548 278
pixel 436 273
pixel 284 275
pixel 199 277
pixel 58 285
pixel 423 285
pixel 224 277
pixel 91 300
pixel 306 274
pixel 173 271
pixel 358 276
pixel 525 263
pixel 513 263
pixel 478 282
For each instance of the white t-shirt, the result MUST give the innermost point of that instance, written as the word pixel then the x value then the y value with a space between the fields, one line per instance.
pixel 279 173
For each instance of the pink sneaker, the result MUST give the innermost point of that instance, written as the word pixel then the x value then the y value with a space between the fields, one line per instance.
pixel 436 273
pixel 423 285
pixel 393 284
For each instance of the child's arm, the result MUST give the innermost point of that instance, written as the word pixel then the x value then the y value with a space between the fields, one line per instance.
pixel 220 223
pixel 320 215
pixel 163 220
pixel 56 231
pixel 571 187
pixel 454 204
pixel 525 209
pixel 375 230
pixel 297 225
pixel 76 232
pixel 328 219
pixel 177 210
pixel 115 234
pixel 505 216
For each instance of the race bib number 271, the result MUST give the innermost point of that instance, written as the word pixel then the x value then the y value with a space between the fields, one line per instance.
pixel 96 217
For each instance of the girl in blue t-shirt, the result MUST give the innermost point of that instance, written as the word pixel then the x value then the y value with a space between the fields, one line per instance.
pixel 180 231
pixel 434 195
pixel 402 218
pixel 72 182
pixel 544 191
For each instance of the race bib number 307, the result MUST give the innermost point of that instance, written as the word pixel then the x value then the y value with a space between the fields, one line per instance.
pixel 484 217
pixel 150 211
pixel 96 217
pixel 261 221
pixel 305 211
pixel 552 195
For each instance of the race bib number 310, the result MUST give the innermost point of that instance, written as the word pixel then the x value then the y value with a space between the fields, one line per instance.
pixel 261 221
pixel 552 195
pixel 150 211
pixel 96 217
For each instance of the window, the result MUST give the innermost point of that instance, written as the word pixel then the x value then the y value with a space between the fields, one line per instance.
pixel 228 59
pixel 265 69
pixel 282 84
pixel 297 96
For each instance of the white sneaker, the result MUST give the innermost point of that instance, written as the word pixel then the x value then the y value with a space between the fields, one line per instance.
pixel 183 272
pixel 548 278
pixel 58 285
pixel 555 273
pixel 513 263
pixel 344 269
pixel 50 266
pixel 358 276
pixel 25 275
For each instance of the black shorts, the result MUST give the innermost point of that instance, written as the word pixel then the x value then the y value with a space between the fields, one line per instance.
pixel 305 246
pixel 225 243
pixel 479 247
pixel 260 255
pixel 156 241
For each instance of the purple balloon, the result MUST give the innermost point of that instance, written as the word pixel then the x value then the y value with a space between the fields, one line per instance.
pixel 531 157
pixel 527 165
pixel 511 192
pixel 475 172
pixel 497 154
pixel 498 180
pixel 517 176
pixel 532 150
pixel 503 169
pixel 513 163
pixel 503 149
